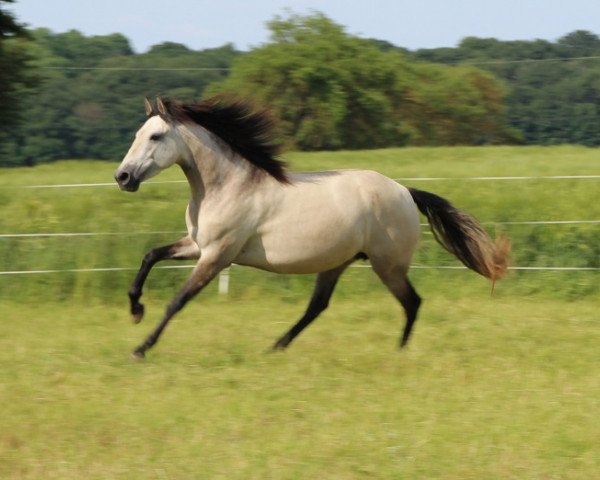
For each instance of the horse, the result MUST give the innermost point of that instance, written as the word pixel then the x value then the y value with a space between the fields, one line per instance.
pixel 246 208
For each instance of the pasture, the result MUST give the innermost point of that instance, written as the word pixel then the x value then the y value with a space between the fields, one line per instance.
pixel 502 386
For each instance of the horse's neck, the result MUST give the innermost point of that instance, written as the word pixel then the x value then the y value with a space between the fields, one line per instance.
pixel 210 166
pixel 195 182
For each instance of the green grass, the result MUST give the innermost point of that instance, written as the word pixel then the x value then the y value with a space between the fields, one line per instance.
pixel 161 208
pixel 495 201
pixel 489 388
pixel 502 386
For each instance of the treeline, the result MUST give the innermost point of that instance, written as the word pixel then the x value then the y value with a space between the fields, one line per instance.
pixel 88 98
pixel 328 90
pixel 553 88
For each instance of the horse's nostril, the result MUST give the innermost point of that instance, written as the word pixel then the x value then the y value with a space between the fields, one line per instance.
pixel 122 177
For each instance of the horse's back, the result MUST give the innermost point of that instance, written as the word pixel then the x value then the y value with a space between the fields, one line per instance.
pixel 359 193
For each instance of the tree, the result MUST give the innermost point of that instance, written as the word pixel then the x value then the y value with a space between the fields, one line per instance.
pixel 457 106
pixel 15 71
pixel 332 90
pixel 579 43
pixel 307 75
pixel 552 88
pixel 91 112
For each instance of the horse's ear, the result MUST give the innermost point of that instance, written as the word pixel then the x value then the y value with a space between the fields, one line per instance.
pixel 162 109
pixel 149 108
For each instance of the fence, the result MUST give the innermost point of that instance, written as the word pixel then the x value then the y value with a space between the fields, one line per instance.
pixel 224 277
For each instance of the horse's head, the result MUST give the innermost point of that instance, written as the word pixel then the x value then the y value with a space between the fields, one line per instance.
pixel 156 146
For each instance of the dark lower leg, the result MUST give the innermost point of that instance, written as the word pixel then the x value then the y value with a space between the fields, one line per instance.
pixel 176 305
pixel 203 273
pixel 184 249
pixel 395 279
pixel 319 301
pixel 411 301
pixel 135 292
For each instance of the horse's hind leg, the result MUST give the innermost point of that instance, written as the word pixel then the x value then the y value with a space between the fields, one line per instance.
pixel 319 301
pixel 411 302
pixel 184 249
pixel 397 282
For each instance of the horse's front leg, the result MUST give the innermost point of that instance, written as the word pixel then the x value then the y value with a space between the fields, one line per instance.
pixel 184 249
pixel 205 270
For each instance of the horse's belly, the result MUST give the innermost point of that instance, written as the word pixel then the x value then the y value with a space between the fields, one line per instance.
pixel 298 254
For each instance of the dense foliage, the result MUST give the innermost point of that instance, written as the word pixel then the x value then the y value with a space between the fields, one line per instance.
pixel 90 101
pixel 15 72
pixel 332 90
pixel 328 89
pixel 554 94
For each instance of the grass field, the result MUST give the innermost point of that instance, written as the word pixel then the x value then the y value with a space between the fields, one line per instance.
pixel 489 388
pixel 502 386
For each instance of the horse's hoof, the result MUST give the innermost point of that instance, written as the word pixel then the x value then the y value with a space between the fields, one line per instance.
pixel 137 313
pixel 279 346
pixel 138 354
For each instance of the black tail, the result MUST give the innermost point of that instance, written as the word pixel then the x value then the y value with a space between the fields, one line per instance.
pixel 462 235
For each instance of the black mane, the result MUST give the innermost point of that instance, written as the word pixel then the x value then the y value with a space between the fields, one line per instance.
pixel 248 132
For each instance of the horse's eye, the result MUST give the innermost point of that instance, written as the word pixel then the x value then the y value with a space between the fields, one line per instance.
pixel 156 137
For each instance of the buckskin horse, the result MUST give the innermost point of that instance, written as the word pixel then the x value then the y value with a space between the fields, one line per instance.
pixel 246 208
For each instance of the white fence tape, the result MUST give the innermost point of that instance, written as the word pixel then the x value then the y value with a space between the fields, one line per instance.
pixel 183 232
pixel 510 178
pixel 224 277
pixel 175 267
pixel 401 179
pixel 88 234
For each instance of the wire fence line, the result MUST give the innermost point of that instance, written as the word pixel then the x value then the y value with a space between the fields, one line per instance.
pixel 524 60
pixel 86 185
pixel 499 61
pixel 412 179
pixel 400 179
pixel 224 277
pixel 190 266
pixel 139 69
pixel 183 232
pixel 500 178
pixel 92 234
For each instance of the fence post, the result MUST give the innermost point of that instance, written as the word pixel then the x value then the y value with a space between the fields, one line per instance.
pixel 224 281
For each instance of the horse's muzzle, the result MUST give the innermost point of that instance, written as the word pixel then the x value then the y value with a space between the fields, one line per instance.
pixel 126 181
